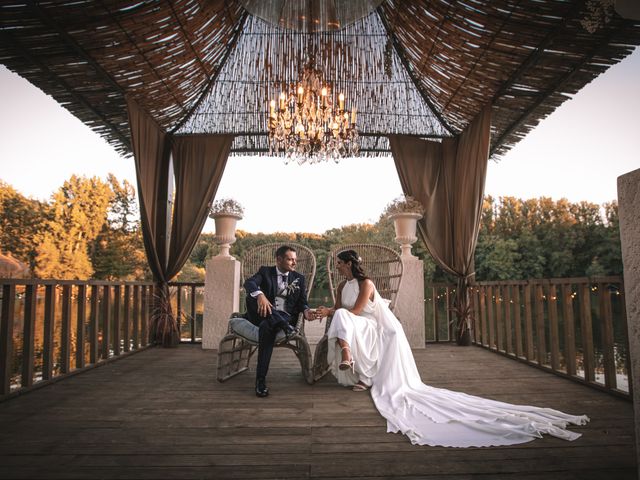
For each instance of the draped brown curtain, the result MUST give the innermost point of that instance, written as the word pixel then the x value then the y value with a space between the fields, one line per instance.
pixel 150 153
pixel 448 178
pixel 198 162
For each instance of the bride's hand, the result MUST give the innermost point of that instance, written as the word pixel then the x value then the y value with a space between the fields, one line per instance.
pixel 323 311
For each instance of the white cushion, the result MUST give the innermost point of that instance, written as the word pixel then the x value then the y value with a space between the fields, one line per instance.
pixel 247 330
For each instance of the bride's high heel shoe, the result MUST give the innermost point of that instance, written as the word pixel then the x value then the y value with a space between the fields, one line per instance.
pixel 347 364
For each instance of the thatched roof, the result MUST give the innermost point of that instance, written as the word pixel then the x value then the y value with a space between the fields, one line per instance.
pixel 424 68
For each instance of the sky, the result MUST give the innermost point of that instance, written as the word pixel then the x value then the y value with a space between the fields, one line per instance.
pixel 576 153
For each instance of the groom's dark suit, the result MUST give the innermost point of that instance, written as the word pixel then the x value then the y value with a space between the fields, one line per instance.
pixel 266 280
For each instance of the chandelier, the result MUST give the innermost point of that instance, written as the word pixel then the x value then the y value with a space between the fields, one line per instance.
pixel 307 127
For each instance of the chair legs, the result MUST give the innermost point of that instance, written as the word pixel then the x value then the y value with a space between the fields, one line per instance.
pixel 234 354
pixel 320 364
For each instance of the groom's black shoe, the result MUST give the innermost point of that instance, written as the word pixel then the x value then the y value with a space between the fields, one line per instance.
pixel 261 388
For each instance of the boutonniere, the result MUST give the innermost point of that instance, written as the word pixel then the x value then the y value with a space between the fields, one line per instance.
pixel 293 286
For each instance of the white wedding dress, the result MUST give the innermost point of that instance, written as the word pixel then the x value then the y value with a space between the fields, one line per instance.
pixel 427 415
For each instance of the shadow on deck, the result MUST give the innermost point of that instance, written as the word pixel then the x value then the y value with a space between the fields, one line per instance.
pixel 161 414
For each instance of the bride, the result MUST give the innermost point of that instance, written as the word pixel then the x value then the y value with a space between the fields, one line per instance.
pixel 369 350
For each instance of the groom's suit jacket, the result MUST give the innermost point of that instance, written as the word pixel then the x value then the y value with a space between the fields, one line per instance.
pixel 266 280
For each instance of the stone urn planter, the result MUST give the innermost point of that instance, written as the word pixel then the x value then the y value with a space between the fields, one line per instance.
pixel 226 213
pixel 405 224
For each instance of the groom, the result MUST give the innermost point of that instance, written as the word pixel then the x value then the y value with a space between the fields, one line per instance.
pixel 275 298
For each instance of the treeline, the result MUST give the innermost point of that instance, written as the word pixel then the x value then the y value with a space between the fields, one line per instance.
pixel 88 229
pixel 91 229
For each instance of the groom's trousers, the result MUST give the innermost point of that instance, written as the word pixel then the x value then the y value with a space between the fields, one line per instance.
pixel 267 330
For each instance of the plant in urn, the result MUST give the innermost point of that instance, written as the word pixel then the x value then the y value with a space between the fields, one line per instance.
pixel 405 212
pixel 225 212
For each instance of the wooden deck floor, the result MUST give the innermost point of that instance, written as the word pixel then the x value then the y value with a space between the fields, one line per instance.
pixel 161 414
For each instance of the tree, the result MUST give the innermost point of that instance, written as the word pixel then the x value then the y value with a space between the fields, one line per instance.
pixel 79 214
pixel 22 222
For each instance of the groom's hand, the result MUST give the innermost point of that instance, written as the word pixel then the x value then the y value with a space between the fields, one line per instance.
pixel 264 306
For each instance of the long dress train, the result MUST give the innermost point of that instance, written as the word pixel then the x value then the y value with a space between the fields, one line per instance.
pixel 427 415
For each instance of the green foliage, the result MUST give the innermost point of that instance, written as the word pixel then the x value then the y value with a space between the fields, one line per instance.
pixel 543 238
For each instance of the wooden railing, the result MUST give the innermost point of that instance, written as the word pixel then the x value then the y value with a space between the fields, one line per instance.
pixel 50 329
pixel 574 327
pixel 187 300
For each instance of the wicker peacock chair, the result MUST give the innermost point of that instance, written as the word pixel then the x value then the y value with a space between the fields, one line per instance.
pixel 241 342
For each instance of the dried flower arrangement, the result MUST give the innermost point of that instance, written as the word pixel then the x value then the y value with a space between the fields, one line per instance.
pixel 226 206
pixel 404 204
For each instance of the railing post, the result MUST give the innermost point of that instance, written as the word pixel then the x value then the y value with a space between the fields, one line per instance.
pixel 569 330
pixel 65 340
pixel 136 316
pixel 30 305
pixel 127 318
pixel 6 337
pixel 81 314
pixel 517 320
pixel 193 314
pixel 528 322
pixel 483 315
pixel 604 297
pixel 490 318
pixel 499 320
pixel 47 350
pixel 93 325
pixel 117 300
pixel 554 341
pixel 106 321
pixel 587 332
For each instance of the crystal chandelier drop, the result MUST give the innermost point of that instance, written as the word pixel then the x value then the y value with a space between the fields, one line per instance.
pixel 307 127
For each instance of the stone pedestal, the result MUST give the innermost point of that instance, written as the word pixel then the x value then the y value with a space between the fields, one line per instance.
pixel 410 303
pixel 221 298
pixel 629 212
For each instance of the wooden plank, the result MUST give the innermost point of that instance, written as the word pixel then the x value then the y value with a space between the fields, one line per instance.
pixel 147 305
pixel 136 317
pixel 6 337
pixel 106 322
pixel 606 319
pixel 508 331
pixel 81 316
pixel 436 322
pixel 193 314
pixel 117 324
pixel 517 320
pixel 65 339
pixel 499 320
pixel 127 318
pixel 528 324
pixel 586 326
pixel 475 333
pixel 47 347
pixel 554 340
pixel 93 325
pixel 490 318
pixel 30 307
pixel 483 316
pixel 569 329
pixel 221 430
pixel 179 310
pixel 541 341
pixel 447 309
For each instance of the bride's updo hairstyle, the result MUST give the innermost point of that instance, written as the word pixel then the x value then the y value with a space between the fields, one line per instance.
pixel 356 267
